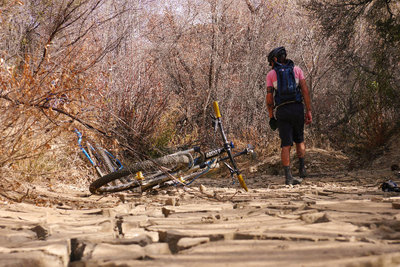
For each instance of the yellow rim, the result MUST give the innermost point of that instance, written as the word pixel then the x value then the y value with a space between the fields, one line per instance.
pixel 181 179
pixel 139 176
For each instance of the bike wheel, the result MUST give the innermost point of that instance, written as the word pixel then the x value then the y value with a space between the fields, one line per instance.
pixel 114 182
pixel 108 161
pixel 104 162
pixel 171 179
pixel 98 160
pixel 151 170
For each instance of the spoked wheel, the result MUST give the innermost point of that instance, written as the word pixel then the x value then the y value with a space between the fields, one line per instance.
pixel 124 180
pixel 145 175
pixel 114 182
pixel 178 178
pixel 105 163
pixel 98 161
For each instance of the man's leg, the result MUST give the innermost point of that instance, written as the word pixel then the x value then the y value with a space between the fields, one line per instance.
pixel 301 152
pixel 285 157
pixel 285 126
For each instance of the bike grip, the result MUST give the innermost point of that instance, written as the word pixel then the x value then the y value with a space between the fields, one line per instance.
pixel 216 109
pixel 242 182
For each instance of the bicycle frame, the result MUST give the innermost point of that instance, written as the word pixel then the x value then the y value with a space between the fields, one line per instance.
pixel 209 160
pixel 180 168
pixel 79 134
pixel 234 169
pixel 87 155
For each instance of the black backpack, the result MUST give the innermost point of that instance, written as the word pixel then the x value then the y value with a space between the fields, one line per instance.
pixel 287 90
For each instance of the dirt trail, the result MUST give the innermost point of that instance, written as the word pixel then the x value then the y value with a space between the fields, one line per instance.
pixel 332 219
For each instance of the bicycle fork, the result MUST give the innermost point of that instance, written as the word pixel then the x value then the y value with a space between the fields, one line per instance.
pixel 227 146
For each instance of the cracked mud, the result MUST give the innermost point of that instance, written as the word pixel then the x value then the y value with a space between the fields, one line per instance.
pixel 332 219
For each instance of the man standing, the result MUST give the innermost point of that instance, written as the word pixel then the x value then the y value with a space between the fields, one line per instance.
pixel 286 91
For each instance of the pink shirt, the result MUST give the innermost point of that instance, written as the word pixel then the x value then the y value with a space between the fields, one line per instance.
pixel 272 80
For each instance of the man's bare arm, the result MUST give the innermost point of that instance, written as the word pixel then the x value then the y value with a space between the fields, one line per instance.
pixel 307 100
pixel 270 101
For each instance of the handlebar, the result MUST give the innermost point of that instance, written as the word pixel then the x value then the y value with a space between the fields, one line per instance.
pixel 247 150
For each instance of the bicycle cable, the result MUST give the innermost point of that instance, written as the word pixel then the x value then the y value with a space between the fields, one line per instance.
pixel 203 172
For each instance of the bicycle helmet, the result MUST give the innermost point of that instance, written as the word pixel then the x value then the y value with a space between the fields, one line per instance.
pixel 276 52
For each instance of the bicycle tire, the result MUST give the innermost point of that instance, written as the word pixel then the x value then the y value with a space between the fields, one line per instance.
pixel 111 166
pixel 107 183
pixel 163 180
pixel 99 163
pixel 104 183
pixel 104 164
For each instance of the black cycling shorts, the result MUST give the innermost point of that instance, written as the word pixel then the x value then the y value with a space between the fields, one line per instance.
pixel 291 123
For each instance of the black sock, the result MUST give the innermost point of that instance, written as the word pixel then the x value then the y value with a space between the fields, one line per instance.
pixel 301 162
pixel 288 173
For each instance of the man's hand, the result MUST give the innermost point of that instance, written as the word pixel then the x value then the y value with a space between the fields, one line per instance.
pixel 308 117
pixel 273 123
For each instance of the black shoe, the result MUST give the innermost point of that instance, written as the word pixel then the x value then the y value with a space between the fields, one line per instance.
pixel 293 181
pixel 390 186
pixel 297 181
pixel 288 175
pixel 289 179
pixel 302 168
pixel 302 173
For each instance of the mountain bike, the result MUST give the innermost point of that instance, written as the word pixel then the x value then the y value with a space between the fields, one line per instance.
pixel 102 160
pixel 180 168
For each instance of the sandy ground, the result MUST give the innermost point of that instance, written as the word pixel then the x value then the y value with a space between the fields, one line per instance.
pixel 335 217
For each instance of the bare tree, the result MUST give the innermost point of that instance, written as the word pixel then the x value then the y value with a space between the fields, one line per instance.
pixel 365 47
pixel 48 51
pixel 216 50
